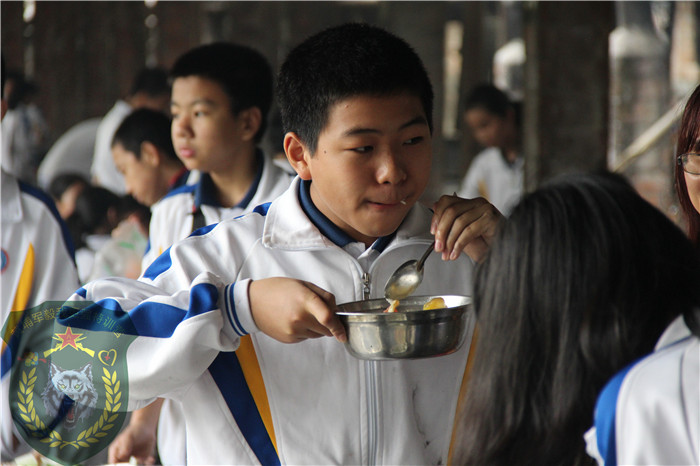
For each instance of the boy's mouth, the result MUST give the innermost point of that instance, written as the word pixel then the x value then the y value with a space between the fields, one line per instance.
pixel 391 203
pixel 186 152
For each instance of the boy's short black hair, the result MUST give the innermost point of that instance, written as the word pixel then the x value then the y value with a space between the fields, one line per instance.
pixel 61 182
pixel 243 73
pixel 152 81
pixel 488 97
pixel 341 62
pixel 145 125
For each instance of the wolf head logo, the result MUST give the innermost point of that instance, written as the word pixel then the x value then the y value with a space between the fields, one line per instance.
pixel 65 385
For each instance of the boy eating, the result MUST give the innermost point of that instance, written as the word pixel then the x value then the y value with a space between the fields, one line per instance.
pixel 213 313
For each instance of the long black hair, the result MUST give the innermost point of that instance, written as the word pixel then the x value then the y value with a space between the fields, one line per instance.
pixel 583 279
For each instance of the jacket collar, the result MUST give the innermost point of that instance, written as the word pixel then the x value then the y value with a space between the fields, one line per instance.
pixel 205 191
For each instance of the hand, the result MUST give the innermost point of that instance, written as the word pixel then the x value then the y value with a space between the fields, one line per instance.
pixel 467 225
pixel 292 310
pixel 138 439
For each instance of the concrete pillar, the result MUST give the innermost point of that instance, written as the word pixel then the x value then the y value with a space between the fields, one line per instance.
pixel 566 88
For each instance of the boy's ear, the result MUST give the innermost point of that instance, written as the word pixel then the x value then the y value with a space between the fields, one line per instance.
pixel 297 153
pixel 150 154
pixel 251 118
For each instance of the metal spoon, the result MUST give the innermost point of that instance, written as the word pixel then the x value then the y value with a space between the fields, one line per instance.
pixel 406 278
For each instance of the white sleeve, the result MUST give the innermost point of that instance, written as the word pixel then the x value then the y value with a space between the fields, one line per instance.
pixel 56 276
pixel 657 413
pixel 171 339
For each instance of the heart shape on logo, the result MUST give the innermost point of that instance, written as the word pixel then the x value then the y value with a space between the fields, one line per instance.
pixel 107 357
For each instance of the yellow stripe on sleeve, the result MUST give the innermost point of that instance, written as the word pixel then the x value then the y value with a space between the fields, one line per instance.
pixel 253 376
pixel 22 294
pixel 26 280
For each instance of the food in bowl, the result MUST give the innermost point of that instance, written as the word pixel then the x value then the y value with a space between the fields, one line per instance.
pixel 435 303
pixel 393 304
pixel 409 333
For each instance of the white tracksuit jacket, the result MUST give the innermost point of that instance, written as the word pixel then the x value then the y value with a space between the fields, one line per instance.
pixel 37 266
pixel 171 221
pixel 171 217
pixel 649 413
pixel 310 402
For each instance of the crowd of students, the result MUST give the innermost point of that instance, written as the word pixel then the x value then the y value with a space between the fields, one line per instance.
pixel 583 293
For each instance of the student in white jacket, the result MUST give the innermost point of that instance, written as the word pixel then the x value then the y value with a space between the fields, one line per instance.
pixel 213 314
pixel 37 265
pixel 221 97
pixel 649 413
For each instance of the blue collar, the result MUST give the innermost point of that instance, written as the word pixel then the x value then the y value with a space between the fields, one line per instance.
pixel 205 191
pixel 328 228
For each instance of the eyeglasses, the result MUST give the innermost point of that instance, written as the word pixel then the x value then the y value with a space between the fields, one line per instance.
pixel 690 162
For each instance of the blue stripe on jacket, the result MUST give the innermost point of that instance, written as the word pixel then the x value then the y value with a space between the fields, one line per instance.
pixel 150 319
pixel 228 375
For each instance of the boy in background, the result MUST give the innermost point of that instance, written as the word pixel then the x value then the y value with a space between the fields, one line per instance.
pixel 214 312
pixel 143 153
pixel 221 96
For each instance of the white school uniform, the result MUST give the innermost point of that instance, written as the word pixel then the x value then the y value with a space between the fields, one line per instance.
pixel 249 399
pixel 649 413
pixel 492 177
pixel 37 266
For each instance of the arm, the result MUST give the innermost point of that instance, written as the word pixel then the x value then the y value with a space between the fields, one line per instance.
pixel 138 438
pixel 182 333
pixel 166 339
pixel 291 310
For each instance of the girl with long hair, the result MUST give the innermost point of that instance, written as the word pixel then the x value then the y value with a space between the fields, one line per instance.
pixel 583 279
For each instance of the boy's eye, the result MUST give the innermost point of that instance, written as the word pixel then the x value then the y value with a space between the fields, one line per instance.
pixel 362 149
pixel 413 141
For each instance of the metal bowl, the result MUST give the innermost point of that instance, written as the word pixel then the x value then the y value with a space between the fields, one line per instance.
pixel 408 333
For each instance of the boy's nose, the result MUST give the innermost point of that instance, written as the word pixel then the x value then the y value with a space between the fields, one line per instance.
pixel 390 169
pixel 181 126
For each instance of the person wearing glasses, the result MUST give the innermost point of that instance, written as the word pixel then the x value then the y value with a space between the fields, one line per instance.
pixel 688 166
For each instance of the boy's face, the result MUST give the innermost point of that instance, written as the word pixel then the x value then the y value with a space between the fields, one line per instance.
pixel 488 129
pixel 140 174
pixel 205 133
pixel 372 163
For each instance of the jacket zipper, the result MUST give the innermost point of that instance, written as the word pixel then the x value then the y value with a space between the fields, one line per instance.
pixel 366 285
pixel 371 376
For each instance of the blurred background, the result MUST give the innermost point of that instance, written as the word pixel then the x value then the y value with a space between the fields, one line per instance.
pixel 602 84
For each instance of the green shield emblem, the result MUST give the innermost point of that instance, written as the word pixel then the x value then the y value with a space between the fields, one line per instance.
pixel 68 385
